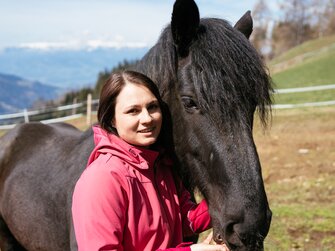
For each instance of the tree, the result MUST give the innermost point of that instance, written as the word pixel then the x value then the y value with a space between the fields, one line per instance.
pixel 281 38
pixel 320 19
pixel 295 27
pixel 262 17
pixel 327 19
pixel 298 14
pixel 103 76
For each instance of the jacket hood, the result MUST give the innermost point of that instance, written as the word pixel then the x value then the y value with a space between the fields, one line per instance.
pixel 109 143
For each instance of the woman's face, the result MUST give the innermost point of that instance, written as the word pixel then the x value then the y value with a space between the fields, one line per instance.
pixel 138 117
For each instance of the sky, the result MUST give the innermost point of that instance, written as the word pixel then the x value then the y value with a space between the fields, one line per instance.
pixel 75 24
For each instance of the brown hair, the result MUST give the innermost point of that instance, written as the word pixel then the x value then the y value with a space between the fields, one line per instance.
pixel 112 88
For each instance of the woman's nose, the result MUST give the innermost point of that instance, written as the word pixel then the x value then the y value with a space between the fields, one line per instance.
pixel 145 117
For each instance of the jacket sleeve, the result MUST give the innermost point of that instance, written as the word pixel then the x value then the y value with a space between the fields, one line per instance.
pixel 98 210
pixel 195 217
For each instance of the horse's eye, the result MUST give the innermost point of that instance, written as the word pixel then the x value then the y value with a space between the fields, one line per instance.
pixel 189 103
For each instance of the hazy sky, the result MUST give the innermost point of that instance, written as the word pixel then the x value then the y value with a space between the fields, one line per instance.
pixel 93 23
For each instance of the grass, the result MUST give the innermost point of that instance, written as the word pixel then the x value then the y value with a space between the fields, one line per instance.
pixel 298 160
pixel 304 97
pixel 319 71
pixel 302 221
pixel 309 64
pixel 310 48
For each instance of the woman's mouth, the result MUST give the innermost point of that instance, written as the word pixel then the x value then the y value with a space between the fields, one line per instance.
pixel 147 130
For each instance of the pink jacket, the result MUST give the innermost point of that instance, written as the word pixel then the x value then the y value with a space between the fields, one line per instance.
pixel 126 201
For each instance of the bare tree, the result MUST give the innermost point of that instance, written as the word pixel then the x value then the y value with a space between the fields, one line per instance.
pixel 323 17
pixel 281 38
pixel 262 17
pixel 298 13
pixel 330 16
pixel 295 27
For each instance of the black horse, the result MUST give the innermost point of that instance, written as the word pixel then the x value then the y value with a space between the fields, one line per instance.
pixel 213 80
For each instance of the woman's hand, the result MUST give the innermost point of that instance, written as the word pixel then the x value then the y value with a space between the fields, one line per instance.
pixel 205 246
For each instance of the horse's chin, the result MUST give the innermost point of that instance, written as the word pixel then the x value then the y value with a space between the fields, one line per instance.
pixel 257 247
pixel 242 247
pixel 235 243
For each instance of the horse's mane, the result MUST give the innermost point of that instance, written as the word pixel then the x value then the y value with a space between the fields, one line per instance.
pixel 226 70
pixel 237 78
pixel 160 63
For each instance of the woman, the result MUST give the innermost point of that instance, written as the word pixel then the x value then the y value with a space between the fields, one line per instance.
pixel 128 198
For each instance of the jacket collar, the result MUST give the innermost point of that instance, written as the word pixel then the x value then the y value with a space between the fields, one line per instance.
pixel 109 143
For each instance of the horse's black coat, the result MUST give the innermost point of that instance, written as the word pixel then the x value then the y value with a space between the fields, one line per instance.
pixel 213 81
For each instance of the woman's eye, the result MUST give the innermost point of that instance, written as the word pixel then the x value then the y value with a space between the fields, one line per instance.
pixel 153 107
pixel 132 111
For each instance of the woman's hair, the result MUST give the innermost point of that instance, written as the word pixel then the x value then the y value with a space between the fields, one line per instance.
pixel 112 88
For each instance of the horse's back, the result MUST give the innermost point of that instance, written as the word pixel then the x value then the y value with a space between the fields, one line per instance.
pixel 39 165
pixel 31 140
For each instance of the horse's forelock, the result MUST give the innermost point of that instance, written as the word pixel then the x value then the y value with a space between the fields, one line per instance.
pixel 229 73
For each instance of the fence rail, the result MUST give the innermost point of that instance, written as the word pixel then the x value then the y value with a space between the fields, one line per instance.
pixel 305 89
pixel 26 115
pixel 311 104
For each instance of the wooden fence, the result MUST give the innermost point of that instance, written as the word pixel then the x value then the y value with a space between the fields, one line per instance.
pixel 51 114
pixel 77 110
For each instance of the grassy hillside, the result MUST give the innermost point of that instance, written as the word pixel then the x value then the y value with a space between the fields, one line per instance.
pixel 309 64
pixel 307 49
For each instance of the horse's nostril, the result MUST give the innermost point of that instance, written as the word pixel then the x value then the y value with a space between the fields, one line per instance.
pixel 218 239
pixel 232 235
pixel 230 228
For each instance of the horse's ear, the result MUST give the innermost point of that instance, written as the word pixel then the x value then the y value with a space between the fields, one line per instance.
pixel 245 24
pixel 184 24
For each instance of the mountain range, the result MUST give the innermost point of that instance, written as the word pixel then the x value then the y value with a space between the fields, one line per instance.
pixel 17 93
pixel 28 75
pixel 64 68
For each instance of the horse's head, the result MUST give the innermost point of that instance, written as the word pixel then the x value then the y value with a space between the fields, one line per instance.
pixel 213 80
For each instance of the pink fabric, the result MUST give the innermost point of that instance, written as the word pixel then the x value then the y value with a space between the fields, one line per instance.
pixel 126 199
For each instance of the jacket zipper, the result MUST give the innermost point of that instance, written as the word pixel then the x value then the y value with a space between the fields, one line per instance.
pixel 160 196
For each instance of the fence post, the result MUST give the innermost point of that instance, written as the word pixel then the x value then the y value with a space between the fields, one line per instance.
pixel 89 109
pixel 26 116
pixel 74 109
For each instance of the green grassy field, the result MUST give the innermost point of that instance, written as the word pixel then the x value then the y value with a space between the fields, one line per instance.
pixel 304 97
pixel 316 71
pixel 298 154
pixel 309 64
pixel 306 50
